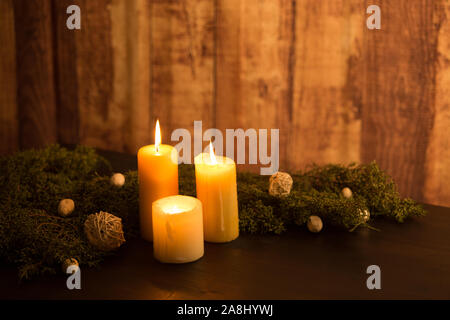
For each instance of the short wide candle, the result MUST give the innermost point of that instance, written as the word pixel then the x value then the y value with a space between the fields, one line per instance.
pixel 158 178
pixel 177 229
pixel 217 190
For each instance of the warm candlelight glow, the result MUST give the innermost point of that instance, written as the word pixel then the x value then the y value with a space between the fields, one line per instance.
pixel 215 180
pixel 173 210
pixel 177 229
pixel 211 154
pixel 157 136
pixel 158 178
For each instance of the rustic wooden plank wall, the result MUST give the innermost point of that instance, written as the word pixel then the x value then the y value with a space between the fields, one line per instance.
pixel 254 42
pixel 437 160
pixel 326 120
pixel 66 84
pixel 9 136
pixel 400 88
pixel 182 64
pixel 338 91
pixel 35 73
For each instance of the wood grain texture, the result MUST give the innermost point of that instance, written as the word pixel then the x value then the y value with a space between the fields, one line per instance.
pixel 254 65
pixel 35 73
pixel 182 53
pixel 9 138
pixel 100 122
pixel 326 124
pixel 399 92
pixel 130 92
pixel 138 26
pixel 104 74
pixel 437 160
pixel 68 113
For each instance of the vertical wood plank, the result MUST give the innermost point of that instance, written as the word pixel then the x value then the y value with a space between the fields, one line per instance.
pixel 253 66
pixel 138 35
pixel 68 116
pixel 9 140
pixel 326 124
pixel 35 73
pixel 104 74
pixel 182 67
pixel 227 64
pixel 130 95
pixel 100 125
pixel 437 164
pixel 399 92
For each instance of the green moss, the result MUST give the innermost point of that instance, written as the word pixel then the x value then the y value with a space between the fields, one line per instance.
pixel 32 183
pixel 37 240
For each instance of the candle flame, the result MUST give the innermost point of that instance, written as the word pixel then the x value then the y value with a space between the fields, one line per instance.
pixel 157 136
pixel 211 153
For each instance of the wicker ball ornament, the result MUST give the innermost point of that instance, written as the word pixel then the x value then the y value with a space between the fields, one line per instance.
pixel 104 231
pixel 280 184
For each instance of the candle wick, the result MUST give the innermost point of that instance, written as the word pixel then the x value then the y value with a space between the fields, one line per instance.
pixel 157 148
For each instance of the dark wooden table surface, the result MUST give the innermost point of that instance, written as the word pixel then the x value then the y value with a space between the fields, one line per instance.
pixel 414 258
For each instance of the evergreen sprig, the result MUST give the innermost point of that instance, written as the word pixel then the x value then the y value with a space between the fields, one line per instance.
pixel 317 191
pixel 37 240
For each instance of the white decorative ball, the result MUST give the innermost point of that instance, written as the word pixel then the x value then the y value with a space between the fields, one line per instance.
pixel 118 180
pixel 347 192
pixel 314 224
pixel 365 215
pixel 66 207
pixel 280 184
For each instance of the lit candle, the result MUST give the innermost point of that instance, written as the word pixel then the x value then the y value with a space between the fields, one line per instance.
pixel 216 188
pixel 177 229
pixel 158 178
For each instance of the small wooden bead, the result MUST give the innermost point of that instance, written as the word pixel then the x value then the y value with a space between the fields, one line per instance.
pixel 66 207
pixel 347 192
pixel 315 224
pixel 118 180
